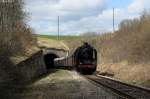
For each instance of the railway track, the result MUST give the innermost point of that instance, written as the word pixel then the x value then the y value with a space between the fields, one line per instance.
pixel 122 89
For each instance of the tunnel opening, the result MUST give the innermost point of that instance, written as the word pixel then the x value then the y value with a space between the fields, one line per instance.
pixel 49 60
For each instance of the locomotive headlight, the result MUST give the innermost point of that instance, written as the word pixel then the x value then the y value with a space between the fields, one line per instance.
pixel 80 63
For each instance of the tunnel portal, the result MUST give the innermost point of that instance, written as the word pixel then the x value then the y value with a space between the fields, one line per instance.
pixel 49 60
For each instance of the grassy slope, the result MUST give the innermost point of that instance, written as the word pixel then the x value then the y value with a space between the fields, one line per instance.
pixel 56 37
pixel 53 42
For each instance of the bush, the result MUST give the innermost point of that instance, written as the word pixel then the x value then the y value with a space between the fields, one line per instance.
pixel 131 42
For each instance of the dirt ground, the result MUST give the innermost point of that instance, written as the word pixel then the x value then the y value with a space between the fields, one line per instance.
pixel 62 84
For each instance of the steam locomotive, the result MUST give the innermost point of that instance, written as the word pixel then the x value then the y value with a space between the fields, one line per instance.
pixel 84 59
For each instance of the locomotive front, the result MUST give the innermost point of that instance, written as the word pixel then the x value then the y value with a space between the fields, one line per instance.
pixel 86 59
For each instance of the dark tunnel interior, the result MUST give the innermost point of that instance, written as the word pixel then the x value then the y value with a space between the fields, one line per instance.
pixel 49 60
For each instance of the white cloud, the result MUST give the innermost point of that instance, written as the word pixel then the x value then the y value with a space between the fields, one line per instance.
pixel 138 6
pixel 100 23
pixel 79 16
pixel 45 12
pixel 80 4
pixel 67 9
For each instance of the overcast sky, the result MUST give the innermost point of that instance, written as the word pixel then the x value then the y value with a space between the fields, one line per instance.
pixel 80 16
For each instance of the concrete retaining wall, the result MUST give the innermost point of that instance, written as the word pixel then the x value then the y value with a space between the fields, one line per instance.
pixel 32 68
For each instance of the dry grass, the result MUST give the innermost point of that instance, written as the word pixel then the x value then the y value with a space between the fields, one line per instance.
pixel 135 73
pixel 50 43
pixel 16 59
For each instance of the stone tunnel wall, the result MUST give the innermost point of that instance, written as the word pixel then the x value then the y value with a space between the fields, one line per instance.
pixel 27 70
pixel 32 68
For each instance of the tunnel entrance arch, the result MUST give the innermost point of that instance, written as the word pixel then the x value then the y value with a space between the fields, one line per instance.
pixel 49 60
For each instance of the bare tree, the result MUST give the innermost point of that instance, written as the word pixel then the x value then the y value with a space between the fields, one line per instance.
pixel 14 32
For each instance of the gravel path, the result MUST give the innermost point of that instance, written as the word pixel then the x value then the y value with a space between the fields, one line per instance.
pixel 62 84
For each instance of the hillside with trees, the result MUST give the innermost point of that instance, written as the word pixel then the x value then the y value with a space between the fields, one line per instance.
pixel 131 42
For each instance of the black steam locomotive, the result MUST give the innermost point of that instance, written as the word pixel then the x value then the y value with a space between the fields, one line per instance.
pixel 84 59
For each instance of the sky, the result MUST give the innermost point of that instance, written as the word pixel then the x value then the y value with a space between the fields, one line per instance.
pixel 80 16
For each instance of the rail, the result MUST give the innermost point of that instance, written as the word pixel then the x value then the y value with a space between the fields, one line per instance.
pixel 127 90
